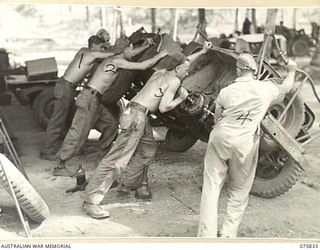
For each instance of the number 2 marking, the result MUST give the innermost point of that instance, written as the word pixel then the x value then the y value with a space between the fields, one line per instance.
pixel 110 68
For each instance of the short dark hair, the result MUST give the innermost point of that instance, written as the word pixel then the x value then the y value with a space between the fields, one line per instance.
pixel 175 60
pixel 95 40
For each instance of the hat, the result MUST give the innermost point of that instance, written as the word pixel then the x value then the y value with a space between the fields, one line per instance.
pixel 247 62
pixel 120 45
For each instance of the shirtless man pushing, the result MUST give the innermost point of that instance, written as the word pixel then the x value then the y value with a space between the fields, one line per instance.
pixel 64 92
pixel 136 135
pixel 89 107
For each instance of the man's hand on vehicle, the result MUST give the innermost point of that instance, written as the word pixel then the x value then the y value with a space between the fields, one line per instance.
pixel 292 65
pixel 207 46
pixel 148 42
pixel 183 93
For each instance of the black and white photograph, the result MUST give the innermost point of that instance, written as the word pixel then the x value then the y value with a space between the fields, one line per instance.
pixel 148 122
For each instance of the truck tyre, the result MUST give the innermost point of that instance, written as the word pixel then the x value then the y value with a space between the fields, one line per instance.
pixel 29 199
pixel 276 173
pixel 43 107
pixel 179 141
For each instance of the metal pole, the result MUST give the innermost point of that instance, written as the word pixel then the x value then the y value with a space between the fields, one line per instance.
pixel 11 149
pixel 23 221
pixel 311 139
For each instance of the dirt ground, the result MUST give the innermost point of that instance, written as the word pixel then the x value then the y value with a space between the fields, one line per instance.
pixel 175 181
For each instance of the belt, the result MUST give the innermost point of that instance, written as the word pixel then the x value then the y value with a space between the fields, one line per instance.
pixel 93 91
pixel 70 83
pixel 138 106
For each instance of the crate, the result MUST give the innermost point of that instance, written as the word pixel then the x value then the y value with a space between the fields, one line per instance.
pixel 42 69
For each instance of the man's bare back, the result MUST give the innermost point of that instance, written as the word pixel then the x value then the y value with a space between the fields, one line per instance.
pixel 105 75
pixel 151 94
pixel 81 65
pixel 108 71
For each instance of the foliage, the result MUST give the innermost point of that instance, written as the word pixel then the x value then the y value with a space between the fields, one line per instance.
pixel 27 10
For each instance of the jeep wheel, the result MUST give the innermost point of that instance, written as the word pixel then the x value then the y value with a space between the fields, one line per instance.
pixel 276 173
pixel 300 47
pixel 43 107
pixel 28 198
pixel 179 141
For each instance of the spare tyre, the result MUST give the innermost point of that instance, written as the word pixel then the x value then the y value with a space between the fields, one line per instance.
pixel 29 199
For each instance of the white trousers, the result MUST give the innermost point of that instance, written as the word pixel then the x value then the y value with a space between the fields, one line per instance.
pixel 241 171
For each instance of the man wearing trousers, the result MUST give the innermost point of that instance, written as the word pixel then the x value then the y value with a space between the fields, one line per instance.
pixel 64 92
pixel 233 145
pixel 135 141
pixel 88 102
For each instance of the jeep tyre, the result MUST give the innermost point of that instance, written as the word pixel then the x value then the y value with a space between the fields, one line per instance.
pixel 29 199
pixel 276 173
pixel 43 107
pixel 179 141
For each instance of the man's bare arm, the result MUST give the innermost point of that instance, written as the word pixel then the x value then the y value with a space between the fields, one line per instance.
pixel 101 54
pixel 124 64
pixel 206 47
pixel 288 82
pixel 142 48
pixel 168 100
pixel 217 112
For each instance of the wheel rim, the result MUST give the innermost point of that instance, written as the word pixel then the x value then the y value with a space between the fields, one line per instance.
pixel 288 122
pixel 271 164
pixel 272 159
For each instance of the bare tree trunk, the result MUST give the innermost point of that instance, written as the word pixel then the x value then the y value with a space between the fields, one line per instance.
pixel 175 29
pixel 270 29
pixel 153 20
pixel 202 23
pixel 294 19
pixel 315 61
pixel 121 22
pixel 254 20
pixel 87 14
pixel 247 13
pixel 236 22
pixel 103 15
pixel 171 25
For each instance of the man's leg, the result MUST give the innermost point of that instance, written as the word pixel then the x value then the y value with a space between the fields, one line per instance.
pixel 241 176
pixel 215 172
pixel 84 118
pixel 133 177
pixel 64 94
pixel 107 125
pixel 113 164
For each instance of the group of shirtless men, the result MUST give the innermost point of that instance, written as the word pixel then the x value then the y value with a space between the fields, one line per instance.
pixel 232 147
pixel 100 64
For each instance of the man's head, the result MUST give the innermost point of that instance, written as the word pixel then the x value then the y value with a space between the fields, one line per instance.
pixel 95 43
pixel 180 64
pixel 246 64
pixel 122 45
pixel 105 36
